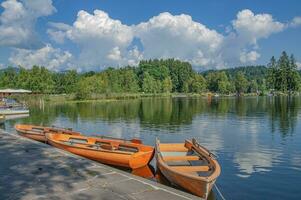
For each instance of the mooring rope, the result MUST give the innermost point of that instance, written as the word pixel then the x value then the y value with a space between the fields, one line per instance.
pixel 219 192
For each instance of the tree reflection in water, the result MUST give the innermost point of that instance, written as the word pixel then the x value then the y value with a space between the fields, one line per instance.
pixel 172 112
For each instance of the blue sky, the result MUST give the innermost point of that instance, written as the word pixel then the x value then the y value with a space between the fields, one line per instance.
pixel 91 35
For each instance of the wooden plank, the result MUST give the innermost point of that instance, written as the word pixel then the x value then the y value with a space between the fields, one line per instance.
pixel 173 153
pixel 173 147
pixel 190 168
pixel 178 158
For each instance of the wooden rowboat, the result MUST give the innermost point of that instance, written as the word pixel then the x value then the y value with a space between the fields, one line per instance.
pixel 112 151
pixel 188 165
pixel 38 132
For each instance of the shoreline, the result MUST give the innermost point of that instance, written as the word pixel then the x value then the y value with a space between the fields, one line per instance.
pixel 70 98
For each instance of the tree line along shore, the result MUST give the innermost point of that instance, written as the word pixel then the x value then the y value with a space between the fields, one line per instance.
pixel 158 78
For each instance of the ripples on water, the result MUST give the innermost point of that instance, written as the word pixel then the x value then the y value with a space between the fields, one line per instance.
pixel 257 139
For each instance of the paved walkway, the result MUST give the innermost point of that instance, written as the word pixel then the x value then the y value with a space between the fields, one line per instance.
pixel 32 170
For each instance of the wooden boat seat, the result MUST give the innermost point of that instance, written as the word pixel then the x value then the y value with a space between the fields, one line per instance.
pixel 186 161
pixel 179 147
pixel 190 169
pixel 178 163
pixel 180 158
pixel 170 153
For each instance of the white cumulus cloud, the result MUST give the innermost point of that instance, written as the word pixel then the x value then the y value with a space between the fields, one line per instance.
pixel 57 31
pixel 103 41
pixel 251 56
pixel 251 27
pixel 296 22
pixel 178 36
pixel 53 59
pixel 17 22
pixel 241 46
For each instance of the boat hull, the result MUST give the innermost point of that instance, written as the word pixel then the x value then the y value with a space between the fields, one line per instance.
pixel 173 163
pixel 31 132
pixel 110 157
pixel 196 187
pixel 37 137
pixel 106 158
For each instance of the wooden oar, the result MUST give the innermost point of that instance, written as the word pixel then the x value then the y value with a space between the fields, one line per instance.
pixel 134 140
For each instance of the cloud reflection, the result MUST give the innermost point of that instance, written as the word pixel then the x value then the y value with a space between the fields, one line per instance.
pixel 252 156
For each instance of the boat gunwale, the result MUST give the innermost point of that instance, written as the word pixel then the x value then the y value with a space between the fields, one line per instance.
pixel 26 133
pixel 22 128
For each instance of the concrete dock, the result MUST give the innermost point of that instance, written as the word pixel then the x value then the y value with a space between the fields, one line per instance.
pixel 33 170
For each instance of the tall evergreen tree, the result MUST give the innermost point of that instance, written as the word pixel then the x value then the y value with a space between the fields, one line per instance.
pixel 272 73
pixel 293 77
pixel 284 70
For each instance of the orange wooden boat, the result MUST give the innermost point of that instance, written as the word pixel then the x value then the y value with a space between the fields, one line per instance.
pixel 188 165
pixel 38 132
pixel 124 153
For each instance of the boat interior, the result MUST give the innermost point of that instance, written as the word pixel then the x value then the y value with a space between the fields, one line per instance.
pixel 99 144
pixel 30 130
pixel 42 130
pixel 186 160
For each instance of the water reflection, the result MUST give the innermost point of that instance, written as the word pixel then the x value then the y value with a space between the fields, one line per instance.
pixel 173 112
pixel 283 112
pixel 257 139
pixel 255 161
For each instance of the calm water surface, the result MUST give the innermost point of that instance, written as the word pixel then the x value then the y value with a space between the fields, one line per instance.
pixel 257 140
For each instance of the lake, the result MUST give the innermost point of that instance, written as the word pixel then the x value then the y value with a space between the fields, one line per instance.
pixel 257 139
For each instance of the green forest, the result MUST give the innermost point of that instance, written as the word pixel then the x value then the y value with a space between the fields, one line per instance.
pixel 158 76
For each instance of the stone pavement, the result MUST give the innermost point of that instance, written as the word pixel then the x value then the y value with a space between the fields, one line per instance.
pixel 32 170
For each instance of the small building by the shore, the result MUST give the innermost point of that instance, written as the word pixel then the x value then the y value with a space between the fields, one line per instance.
pixel 7 92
